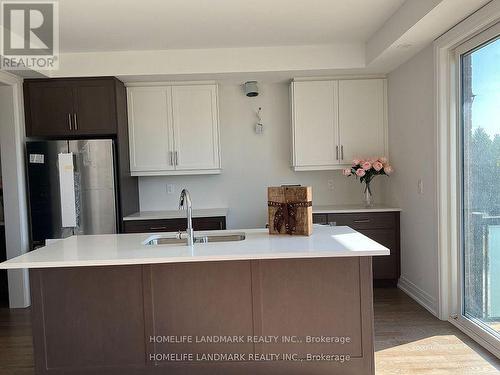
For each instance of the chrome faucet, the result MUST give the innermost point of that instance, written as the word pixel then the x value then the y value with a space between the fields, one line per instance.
pixel 185 203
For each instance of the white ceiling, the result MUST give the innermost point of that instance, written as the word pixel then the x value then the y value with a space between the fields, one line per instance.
pixel 231 39
pixel 107 25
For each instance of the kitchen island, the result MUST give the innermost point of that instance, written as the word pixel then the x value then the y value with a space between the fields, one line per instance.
pixel 114 304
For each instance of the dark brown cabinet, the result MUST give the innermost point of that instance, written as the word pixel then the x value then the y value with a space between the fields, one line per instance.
pixel 81 333
pixel 316 291
pixel 48 108
pixel 94 108
pixel 72 107
pixel 385 268
pixel 174 225
pixel 217 302
pixel 382 227
pixel 183 318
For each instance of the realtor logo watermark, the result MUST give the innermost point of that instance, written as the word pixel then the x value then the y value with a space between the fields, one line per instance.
pixel 30 35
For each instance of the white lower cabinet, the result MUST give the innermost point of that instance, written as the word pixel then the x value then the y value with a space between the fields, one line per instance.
pixel 335 121
pixel 173 129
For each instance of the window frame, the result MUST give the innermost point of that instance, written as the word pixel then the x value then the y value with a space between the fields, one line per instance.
pixel 475 43
pixel 447 104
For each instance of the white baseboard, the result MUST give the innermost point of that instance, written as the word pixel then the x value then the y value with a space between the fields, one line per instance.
pixel 423 298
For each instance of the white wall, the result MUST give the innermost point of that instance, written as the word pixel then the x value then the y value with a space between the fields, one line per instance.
pixel 250 163
pixel 12 150
pixel 413 153
pixel 212 61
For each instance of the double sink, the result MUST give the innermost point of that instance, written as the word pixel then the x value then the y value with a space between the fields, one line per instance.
pixel 178 239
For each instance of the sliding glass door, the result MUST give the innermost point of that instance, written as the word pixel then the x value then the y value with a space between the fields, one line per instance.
pixel 480 181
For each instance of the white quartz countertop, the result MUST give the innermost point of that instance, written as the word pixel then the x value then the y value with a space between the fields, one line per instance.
pixel 352 208
pixel 129 249
pixel 175 214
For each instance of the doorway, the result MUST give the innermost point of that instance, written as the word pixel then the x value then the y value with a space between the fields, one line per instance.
pixel 13 186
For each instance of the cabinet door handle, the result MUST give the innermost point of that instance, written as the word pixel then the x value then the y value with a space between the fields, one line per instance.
pixel 170 155
pixel 362 221
pixel 176 158
pixel 69 121
pixel 157 228
pixel 342 152
pixel 337 151
pixel 76 123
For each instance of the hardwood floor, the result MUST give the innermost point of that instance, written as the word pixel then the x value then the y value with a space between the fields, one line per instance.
pixel 408 341
pixel 16 347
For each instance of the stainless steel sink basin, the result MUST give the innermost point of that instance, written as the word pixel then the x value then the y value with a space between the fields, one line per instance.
pixel 169 240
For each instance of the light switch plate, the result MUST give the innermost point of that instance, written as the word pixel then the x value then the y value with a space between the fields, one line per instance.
pixel 420 186
pixel 170 188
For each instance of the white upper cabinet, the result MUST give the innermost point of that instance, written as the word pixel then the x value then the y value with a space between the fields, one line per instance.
pixel 335 121
pixel 196 134
pixel 173 129
pixel 150 129
pixel 315 118
pixel 362 118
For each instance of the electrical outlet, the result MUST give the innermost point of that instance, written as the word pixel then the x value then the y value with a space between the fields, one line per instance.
pixel 330 184
pixel 420 186
pixel 170 188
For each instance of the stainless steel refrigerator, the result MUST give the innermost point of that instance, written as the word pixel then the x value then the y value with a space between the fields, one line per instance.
pixel 71 188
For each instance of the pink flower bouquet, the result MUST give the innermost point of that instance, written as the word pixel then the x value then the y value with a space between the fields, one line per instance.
pixel 366 170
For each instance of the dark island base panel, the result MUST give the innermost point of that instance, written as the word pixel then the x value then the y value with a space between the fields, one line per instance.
pixel 101 320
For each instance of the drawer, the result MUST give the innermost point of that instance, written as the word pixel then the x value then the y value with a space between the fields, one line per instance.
pixel 142 226
pixel 365 220
pixel 174 225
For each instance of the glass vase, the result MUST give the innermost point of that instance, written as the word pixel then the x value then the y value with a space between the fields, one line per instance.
pixel 367 196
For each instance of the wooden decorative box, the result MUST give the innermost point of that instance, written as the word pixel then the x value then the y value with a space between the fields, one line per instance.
pixel 290 210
